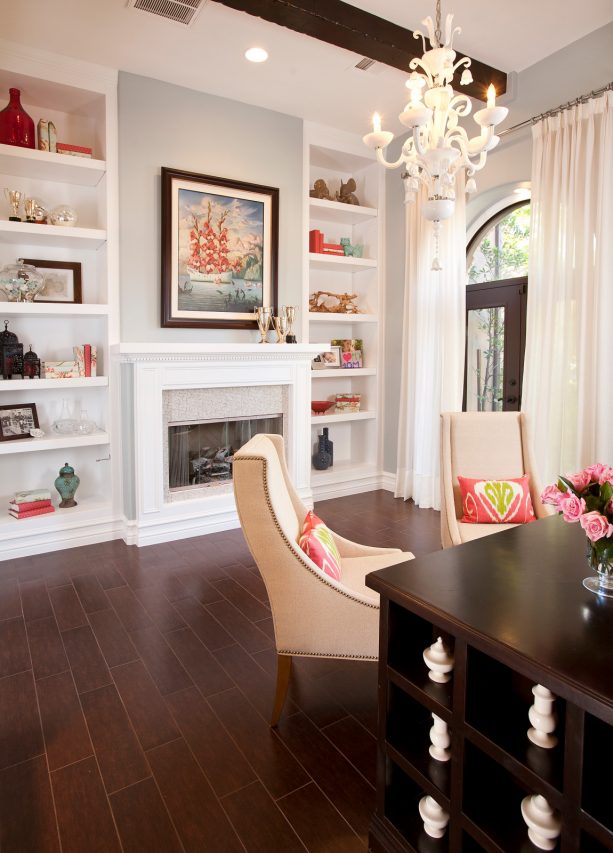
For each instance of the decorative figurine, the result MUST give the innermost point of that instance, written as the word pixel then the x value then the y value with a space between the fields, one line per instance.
pixel 347 193
pixel 31 365
pixel 320 190
pixel 14 198
pixel 11 354
pixel 290 313
pixel 344 303
pixel 263 318
pixel 67 483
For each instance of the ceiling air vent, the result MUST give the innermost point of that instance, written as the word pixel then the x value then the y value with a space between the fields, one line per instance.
pixel 181 11
pixel 364 64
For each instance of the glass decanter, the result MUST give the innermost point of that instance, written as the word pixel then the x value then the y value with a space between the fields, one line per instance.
pixel 84 425
pixel 66 424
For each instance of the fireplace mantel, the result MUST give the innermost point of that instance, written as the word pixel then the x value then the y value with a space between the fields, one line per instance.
pixel 147 371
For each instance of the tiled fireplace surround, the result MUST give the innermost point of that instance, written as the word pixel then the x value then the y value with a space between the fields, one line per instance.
pixel 165 382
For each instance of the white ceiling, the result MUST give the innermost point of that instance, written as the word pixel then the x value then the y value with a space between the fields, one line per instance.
pixel 303 76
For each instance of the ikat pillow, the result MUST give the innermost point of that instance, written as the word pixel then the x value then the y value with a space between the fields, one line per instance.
pixel 496 501
pixel 318 543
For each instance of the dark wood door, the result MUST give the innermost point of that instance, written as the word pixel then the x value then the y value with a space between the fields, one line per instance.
pixel 495 343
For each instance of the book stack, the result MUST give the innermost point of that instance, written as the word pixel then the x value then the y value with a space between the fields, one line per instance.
pixel 30 503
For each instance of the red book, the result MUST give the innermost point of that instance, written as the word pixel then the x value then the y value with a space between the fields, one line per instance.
pixel 26 507
pixel 315 240
pixel 87 358
pixel 75 149
pixel 32 512
pixel 336 246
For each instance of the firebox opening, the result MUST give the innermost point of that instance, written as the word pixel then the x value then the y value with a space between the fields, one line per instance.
pixel 201 453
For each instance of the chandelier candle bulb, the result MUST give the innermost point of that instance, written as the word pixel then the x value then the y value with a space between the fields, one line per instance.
pixel 491 96
pixel 376 123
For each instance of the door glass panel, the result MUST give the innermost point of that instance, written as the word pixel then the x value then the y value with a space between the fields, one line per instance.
pixel 485 359
pixel 503 251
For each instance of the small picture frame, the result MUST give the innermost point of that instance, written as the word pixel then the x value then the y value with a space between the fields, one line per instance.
pixel 62 280
pixel 328 360
pixel 17 420
pixel 352 351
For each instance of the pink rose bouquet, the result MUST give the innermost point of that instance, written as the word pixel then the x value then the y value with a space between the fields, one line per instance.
pixel 587 497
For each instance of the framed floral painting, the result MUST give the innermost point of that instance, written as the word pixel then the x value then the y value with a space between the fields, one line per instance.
pixel 219 250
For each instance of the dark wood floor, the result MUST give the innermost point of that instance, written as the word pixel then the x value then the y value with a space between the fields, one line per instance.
pixel 135 688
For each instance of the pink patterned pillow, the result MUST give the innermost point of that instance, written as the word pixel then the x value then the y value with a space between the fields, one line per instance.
pixel 318 543
pixel 496 501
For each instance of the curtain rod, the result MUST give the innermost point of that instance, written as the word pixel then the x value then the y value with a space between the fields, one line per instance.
pixel 582 99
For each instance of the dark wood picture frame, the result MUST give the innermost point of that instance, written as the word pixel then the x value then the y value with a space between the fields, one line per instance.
pixel 175 283
pixel 74 266
pixel 13 407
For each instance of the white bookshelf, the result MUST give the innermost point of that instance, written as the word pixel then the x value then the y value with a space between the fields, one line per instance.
pixel 81 99
pixel 334 156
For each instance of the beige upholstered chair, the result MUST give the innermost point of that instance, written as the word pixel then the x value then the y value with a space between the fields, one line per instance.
pixel 487 445
pixel 313 614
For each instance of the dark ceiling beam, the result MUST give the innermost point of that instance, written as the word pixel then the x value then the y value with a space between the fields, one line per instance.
pixel 343 25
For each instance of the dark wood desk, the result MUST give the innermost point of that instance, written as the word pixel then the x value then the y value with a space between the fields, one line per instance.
pixel 514 610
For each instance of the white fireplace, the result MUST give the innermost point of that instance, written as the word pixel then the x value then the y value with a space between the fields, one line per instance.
pixel 166 384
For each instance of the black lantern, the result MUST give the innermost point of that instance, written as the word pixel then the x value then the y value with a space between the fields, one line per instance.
pixel 11 354
pixel 31 365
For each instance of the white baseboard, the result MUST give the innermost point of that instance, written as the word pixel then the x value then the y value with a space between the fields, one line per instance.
pixel 171 529
pixel 388 481
pixel 87 533
pixel 351 485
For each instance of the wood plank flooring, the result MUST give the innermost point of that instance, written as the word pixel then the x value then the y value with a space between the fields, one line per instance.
pixel 135 690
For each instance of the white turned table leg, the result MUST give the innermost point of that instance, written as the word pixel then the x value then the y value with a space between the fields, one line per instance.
pixel 543 718
pixel 439 661
pixel 435 817
pixel 544 824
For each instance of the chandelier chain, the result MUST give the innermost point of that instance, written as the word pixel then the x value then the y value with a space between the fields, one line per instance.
pixel 437 31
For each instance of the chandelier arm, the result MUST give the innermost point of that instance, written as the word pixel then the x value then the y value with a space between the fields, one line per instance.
pixel 461 105
pixel 417 141
pixel 465 59
pixel 419 35
pixel 416 62
pixel 388 165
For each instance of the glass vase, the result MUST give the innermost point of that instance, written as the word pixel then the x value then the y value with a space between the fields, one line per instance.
pixel 16 126
pixel 601 582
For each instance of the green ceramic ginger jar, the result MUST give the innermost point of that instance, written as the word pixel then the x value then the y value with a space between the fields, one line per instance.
pixel 67 484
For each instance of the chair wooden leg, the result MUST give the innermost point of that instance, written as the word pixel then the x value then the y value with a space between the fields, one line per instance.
pixel 284 668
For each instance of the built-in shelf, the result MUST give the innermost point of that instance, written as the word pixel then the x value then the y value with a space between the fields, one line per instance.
pixel 339 473
pixel 31 234
pixel 337 417
pixel 53 309
pixel 54 442
pixel 335 211
pixel 324 317
pixel 45 166
pixel 340 373
pixel 12 385
pixel 338 263
pixel 86 509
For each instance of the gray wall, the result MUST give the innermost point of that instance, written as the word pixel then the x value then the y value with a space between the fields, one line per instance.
pixel 165 125
pixel 581 67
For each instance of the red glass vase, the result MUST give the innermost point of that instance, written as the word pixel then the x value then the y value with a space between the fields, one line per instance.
pixel 16 126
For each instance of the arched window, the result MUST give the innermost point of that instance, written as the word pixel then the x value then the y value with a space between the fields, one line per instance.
pixel 497 282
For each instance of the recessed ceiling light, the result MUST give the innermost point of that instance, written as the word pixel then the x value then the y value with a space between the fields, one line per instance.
pixel 256 54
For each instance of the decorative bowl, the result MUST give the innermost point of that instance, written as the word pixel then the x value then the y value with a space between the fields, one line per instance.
pixel 321 406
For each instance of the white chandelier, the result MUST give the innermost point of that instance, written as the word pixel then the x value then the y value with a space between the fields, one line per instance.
pixel 438 147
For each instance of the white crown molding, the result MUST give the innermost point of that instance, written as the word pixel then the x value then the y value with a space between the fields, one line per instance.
pixel 60 69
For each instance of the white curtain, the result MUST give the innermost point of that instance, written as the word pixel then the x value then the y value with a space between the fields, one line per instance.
pixel 432 349
pixel 569 359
